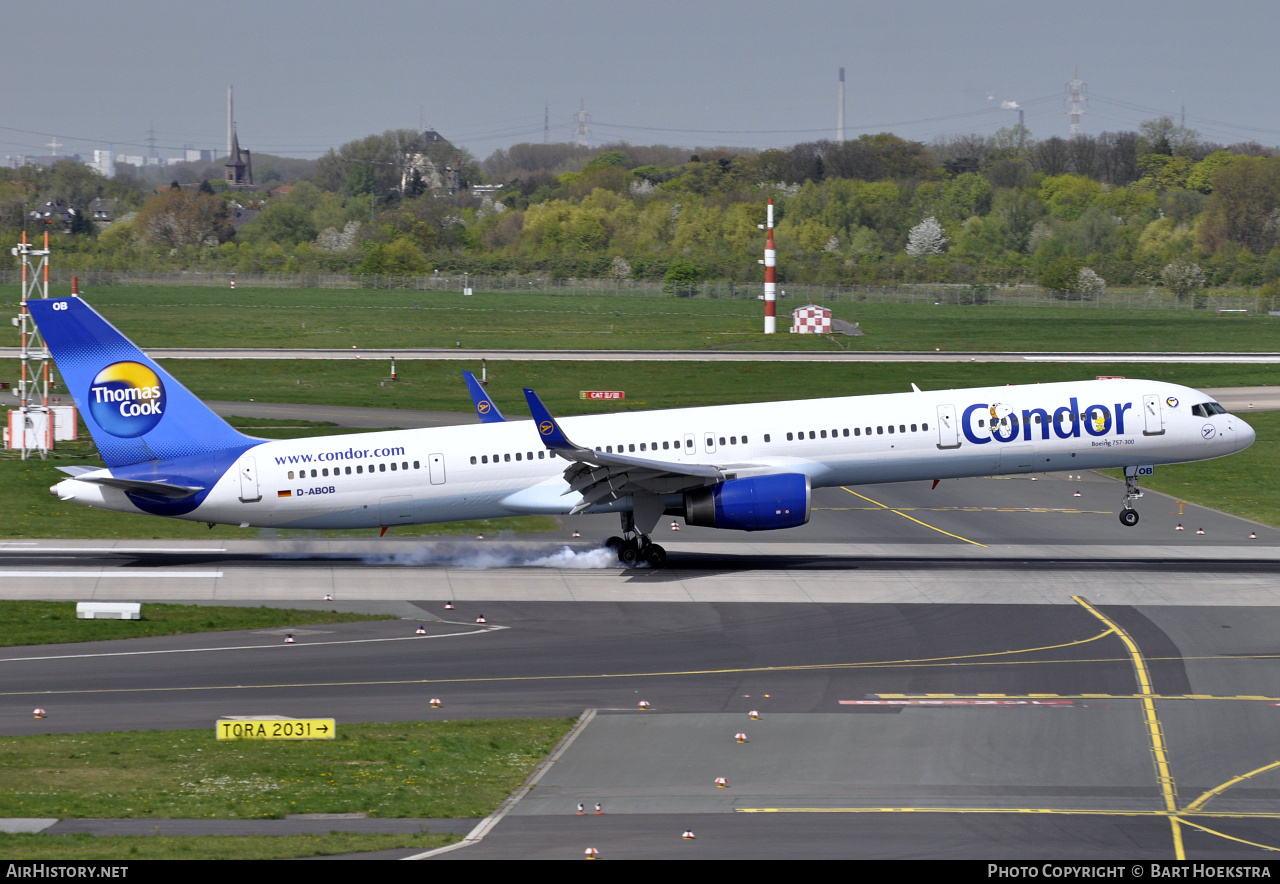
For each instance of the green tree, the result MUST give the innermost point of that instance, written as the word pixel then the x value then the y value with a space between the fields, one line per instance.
pixel 1061 276
pixel 680 277
pixel 282 223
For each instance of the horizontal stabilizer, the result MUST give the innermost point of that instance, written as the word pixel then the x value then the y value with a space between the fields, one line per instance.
pixel 78 471
pixel 152 489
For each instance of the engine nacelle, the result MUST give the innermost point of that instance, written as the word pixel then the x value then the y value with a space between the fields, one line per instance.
pixel 758 503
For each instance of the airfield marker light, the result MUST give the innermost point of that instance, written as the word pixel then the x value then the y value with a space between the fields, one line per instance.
pixel 722 783
pixel 481 619
pixel 233 283
pixel 675 526
pixel 38 713
pixel 740 738
pixel 1199 530
pixel 1179 528
pixel 644 705
pixel 435 702
pixel 599 809
pixel 576 534
pixel 1253 535
pixel 580 810
pixel 591 853
pixel 448 606
pixel 479 537
pixel 422 630
pixel 688 835
pixel 393 368
pixel 754 714
pixel 1077 494
pixel 328 597
pixel 288 639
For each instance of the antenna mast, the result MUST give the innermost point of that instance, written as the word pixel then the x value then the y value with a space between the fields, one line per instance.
pixel 1076 101
pixel 35 419
pixel 840 109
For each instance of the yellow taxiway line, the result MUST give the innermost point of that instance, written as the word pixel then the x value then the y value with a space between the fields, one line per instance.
pixel 913 519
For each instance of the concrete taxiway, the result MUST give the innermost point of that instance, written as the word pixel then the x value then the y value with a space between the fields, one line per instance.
pixel 991 669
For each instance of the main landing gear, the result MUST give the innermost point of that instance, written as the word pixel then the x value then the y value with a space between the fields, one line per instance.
pixel 1128 515
pixel 633 547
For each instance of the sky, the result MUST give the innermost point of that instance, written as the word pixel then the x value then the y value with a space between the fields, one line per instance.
pixel 310 75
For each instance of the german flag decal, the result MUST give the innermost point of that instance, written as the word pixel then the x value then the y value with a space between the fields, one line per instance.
pixel 284 494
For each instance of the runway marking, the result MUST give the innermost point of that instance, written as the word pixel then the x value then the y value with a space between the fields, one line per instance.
pixel 119 549
pixel 1045 811
pixel 1218 790
pixel 296 645
pixel 816 667
pixel 913 519
pixel 1228 837
pixel 98 575
pixel 1155 733
pixel 967 509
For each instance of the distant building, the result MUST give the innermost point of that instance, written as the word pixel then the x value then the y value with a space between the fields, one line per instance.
pixel 104 163
pixel 194 155
pixel 282 190
pixel 239 165
pixel 103 211
pixel 54 214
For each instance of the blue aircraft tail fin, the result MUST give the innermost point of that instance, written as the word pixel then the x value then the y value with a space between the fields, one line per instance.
pixel 133 408
pixel 485 407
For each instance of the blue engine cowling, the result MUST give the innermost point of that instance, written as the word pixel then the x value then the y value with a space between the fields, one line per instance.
pixel 759 503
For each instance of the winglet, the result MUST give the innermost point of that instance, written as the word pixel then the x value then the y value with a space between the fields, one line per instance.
pixel 548 430
pixel 485 407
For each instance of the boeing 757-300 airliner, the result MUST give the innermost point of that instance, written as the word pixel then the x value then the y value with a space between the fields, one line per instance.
pixel 747 467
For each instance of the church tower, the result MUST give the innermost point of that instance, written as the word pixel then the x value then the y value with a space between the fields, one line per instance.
pixel 239 164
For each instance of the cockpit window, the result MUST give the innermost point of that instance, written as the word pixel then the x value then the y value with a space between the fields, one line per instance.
pixel 1207 409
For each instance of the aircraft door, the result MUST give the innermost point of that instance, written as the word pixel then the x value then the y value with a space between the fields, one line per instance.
pixel 1152 416
pixel 710 439
pixel 435 463
pixel 249 490
pixel 948 427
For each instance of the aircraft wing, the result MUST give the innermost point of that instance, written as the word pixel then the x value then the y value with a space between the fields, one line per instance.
pixel 601 477
pixel 485 407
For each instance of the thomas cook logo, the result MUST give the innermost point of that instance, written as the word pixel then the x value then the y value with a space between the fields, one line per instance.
pixel 483 407
pixel 546 428
pixel 127 399
pixel 1172 401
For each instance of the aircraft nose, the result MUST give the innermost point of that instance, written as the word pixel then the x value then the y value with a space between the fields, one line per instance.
pixel 1245 435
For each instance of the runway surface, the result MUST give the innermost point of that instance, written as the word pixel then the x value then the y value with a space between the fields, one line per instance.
pixel 992 669
pixel 1214 358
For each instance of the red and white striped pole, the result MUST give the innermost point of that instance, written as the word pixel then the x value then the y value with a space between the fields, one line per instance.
pixel 770 279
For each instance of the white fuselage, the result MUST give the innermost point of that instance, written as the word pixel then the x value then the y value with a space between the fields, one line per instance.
pixel 502 469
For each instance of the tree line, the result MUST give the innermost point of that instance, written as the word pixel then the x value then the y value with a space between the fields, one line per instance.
pixel 1000 208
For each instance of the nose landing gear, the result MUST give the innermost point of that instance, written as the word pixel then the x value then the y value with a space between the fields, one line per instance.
pixel 1128 515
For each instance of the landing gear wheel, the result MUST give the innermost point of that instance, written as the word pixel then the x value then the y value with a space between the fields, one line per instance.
pixel 1128 517
pixel 615 543
pixel 655 555
pixel 629 555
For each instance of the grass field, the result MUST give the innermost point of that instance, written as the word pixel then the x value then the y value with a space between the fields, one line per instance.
pixel 89 847
pixel 450 769
pixel 164 316
pixel 40 623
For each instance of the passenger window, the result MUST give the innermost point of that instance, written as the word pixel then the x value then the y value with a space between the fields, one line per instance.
pixel 484 458
pixel 890 429
pixel 290 474
pixel 382 468
pixel 788 437
pixel 405 465
pixel 824 434
pixel 631 447
pixel 541 453
pixel 812 435
pixel 393 466
pixel 473 458
pixel 902 428
pixel 766 438
pixel 982 423
pixel 507 458
pixel 528 455
pixel 722 440
pixel 913 428
pixel 517 455
pixel 416 466
pixel 313 474
pixel 359 468
pixel 664 445
pixel 348 471
pixel 642 446
pixel 608 449
pixel 744 439
pixel 879 431
pixel 924 427
pixel 733 440
pixel 688 443
pixel 857 431
pixel 846 431
pixel 325 471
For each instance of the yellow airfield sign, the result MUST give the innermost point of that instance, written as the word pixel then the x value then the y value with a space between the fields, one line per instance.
pixel 276 729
